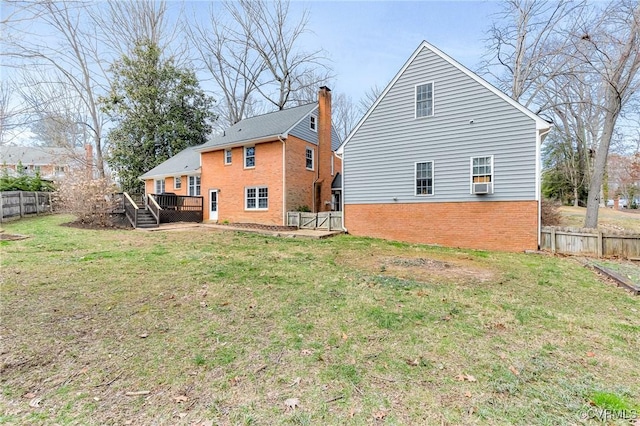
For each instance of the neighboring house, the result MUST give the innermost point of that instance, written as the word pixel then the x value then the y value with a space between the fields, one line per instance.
pixel 443 157
pixel 260 167
pixel 51 162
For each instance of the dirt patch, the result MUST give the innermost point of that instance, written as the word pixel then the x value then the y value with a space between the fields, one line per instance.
pixel 12 237
pixel 116 221
pixel 423 269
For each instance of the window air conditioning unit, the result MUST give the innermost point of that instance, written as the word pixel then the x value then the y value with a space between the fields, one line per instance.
pixel 482 188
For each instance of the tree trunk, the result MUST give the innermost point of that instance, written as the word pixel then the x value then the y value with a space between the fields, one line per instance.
pixel 599 166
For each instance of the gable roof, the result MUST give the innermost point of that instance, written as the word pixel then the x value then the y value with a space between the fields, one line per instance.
pixel 186 162
pixel 40 156
pixel 260 128
pixel 540 123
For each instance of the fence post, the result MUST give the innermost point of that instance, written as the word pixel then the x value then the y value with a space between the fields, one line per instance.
pixel 600 241
pixel 329 221
pixel 37 203
pixel 21 198
pixel 553 240
pixel 1 210
pixel 299 220
pixel 50 203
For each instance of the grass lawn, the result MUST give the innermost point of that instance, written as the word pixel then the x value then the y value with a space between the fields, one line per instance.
pixel 608 219
pixel 200 327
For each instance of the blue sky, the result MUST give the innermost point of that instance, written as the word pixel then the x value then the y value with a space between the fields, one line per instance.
pixel 369 41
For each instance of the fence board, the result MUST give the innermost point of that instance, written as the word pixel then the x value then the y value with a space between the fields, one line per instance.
pixel 323 220
pixel 589 242
pixel 20 203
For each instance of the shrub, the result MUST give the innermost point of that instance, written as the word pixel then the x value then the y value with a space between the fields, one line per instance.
pixel 549 214
pixel 90 200
pixel 303 209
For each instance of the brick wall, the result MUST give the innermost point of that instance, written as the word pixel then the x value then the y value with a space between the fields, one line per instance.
pixel 504 226
pixel 232 179
pixel 150 186
pixel 299 179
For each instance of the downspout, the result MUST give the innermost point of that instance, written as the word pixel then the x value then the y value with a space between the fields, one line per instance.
pixel 342 198
pixel 313 185
pixel 539 137
pixel 284 181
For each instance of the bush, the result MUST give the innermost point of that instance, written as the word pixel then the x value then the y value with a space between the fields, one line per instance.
pixel 23 182
pixel 90 200
pixel 549 214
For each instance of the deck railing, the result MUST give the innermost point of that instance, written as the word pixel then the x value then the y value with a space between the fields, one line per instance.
pixel 130 209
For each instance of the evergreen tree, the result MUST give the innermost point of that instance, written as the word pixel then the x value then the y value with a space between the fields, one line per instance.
pixel 158 110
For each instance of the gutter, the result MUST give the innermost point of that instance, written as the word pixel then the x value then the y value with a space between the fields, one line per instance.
pixel 284 180
pixel 241 143
pixel 539 138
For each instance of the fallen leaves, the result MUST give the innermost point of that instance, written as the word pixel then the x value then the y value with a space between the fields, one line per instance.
pixel 514 370
pixel 291 404
pixel 379 415
pixel 591 354
pixel 137 393
pixel 181 398
pixel 465 378
pixel 35 403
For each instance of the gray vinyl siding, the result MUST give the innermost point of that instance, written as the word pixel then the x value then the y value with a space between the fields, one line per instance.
pixel 379 159
pixel 304 132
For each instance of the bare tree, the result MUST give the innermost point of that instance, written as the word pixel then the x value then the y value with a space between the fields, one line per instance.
pixel 74 58
pixel 345 115
pixel 232 64
pixel 611 47
pixel 267 28
pixel 524 45
pixel 369 98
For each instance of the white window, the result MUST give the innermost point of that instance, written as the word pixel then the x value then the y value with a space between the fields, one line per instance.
pixel 194 186
pixel 309 158
pixel 177 182
pixel 227 156
pixel 257 198
pixel 424 100
pixel 250 156
pixel 424 178
pixel 159 186
pixel 482 169
pixel 313 123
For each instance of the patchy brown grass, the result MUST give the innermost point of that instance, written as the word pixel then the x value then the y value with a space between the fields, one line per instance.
pixel 608 219
pixel 207 327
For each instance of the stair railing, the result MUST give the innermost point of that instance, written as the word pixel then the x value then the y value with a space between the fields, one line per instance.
pixel 130 209
pixel 154 207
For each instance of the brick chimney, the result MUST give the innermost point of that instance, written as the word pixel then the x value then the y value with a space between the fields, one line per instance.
pixel 88 151
pixel 323 184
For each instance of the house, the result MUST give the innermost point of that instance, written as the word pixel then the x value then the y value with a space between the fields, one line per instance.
pixel 443 157
pixel 261 167
pixel 51 162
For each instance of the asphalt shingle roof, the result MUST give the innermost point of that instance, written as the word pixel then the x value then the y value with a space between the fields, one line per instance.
pixel 39 155
pixel 185 162
pixel 261 126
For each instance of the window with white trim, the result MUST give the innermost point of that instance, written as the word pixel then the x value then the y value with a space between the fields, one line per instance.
pixel 309 158
pixel 227 156
pixel 424 100
pixel 177 182
pixel 256 198
pixel 313 123
pixel 424 178
pixel 159 186
pixel 249 156
pixel 194 186
pixel 482 169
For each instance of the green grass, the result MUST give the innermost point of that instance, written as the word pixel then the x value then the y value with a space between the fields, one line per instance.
pixel 226 326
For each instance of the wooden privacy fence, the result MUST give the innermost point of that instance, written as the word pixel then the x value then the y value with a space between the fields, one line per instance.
pixel 14 204
pixel 331 221
pixel 590 242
